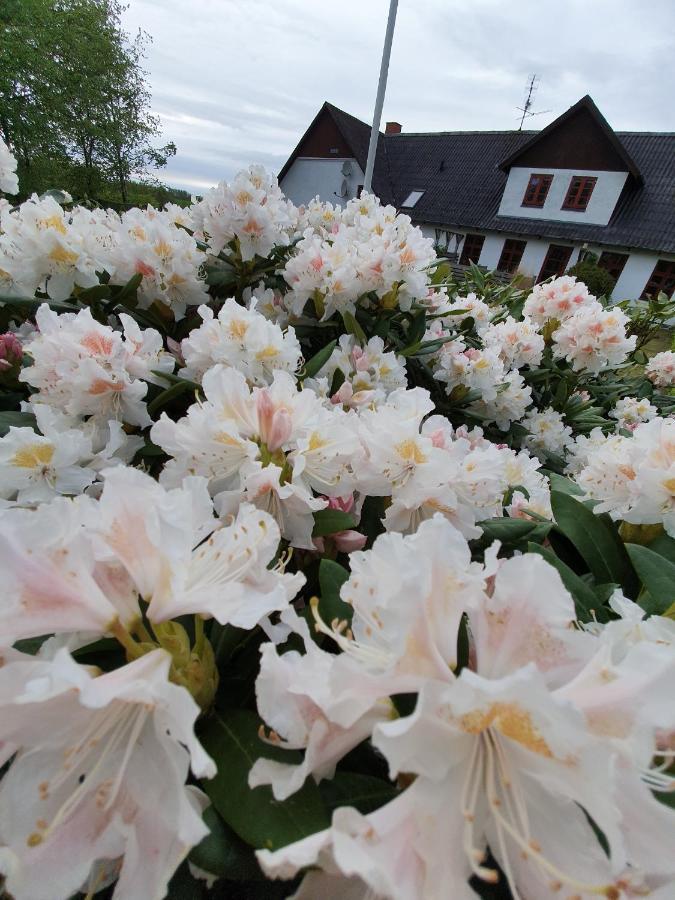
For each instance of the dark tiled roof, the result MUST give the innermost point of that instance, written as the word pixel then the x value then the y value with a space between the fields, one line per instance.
pixel 460 174
pixel 468 189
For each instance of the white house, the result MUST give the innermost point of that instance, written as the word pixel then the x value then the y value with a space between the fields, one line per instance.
pixel 515 201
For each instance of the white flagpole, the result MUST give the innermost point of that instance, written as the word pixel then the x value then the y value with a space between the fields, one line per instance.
pixel 379 100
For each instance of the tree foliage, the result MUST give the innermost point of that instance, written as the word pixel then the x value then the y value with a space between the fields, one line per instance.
pixel 74 101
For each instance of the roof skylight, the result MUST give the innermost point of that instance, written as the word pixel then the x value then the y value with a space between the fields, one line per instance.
pixel 411 199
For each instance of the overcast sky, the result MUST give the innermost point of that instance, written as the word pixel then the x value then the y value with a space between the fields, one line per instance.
pixel 238 81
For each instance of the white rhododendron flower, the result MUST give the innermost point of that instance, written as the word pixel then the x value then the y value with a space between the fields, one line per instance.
pixel 661 369
pixel 151 245
pixel 558 300
pixel 459 366
pixel 633 478
pixel 274 509
pixel 519 343
pixel 83 368
pixel 470 306
pixel 593 338
pixel 83 565
pixel 41 248
pixel 269 446
pixel 96 759
pixel 630 411
pixel 505 752
pixel 547 432
pixel 9 183
pixel 370 250
pixel 370 373
pixel 512 399
pixel 251 210
pixel 63 459
pixel 243 339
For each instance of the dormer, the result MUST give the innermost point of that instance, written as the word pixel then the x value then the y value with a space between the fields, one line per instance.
pixel 572 171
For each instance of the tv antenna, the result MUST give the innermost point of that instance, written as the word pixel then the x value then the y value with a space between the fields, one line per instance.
pixel 526 108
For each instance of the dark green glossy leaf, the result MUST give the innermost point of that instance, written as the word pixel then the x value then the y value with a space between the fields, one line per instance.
pixel 10 419
pixel 596 539
pixel 232 739
pixel 330 521
pixel 331 578
pixel 319 360
pixel 657 574
pixel 363 792
pixel 176 390
pixel 510 530
pixel 223 853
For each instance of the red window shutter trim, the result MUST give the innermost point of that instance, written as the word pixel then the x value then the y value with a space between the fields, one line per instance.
pixel 537 190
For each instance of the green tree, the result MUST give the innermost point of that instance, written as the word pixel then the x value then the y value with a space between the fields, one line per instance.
pixel 74 102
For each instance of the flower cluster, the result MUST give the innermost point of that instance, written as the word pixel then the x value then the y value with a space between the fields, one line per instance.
pixel 661 369
pixel 500 754
pixel 242 339
pixel 276 470
pixel 368 250
pixel 557 300
pixel 9 183
pixel 84 369
pixel 250 211
pixel 633 478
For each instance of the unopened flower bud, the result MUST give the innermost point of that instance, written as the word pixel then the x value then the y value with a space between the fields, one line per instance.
pixel 11 351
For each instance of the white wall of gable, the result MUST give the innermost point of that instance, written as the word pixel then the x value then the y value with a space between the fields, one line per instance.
pixel 308 178
pixel 600 206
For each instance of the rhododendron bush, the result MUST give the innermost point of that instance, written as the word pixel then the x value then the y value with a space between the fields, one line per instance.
pixel 325 573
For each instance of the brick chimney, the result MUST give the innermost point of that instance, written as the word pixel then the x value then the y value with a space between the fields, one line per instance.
pixel 393 128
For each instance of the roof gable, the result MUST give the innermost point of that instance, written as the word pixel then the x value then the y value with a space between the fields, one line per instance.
pixel 334 128
pixel 580 138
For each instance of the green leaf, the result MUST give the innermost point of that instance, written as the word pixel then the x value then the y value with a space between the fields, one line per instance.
pixel 10 418
pixel 657 574
pixel 128 291
pixel 319 360
pixel 363 792
pixel 562 484
pixel 664 545
pixel 596 539
pixel 168 395
pixel 585 601
pixel 330 521
pixel 331 578
pixel 223 853
pixel 417 328
pixel 510 530
pixel 92 294
pixel 353 327
pixel 232 739
pixel 35 302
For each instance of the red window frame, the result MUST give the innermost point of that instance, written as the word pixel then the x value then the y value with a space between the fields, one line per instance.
pixel 555 261
pixel 511 255
pixel 661 279
pixel 537 190
pixel 613 263
pixel 471 249
pixel 579 193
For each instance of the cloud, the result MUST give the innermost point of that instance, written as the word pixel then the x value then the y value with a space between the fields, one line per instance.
pixel 238 81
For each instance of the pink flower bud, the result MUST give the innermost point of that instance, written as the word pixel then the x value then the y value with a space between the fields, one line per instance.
pixel 274 424
pixel 11 351
pixel 345 504
pixel 348 541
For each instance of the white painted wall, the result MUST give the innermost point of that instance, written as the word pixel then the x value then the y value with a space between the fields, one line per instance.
pixel 492 249
pixel 308 178
pixel 600 206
